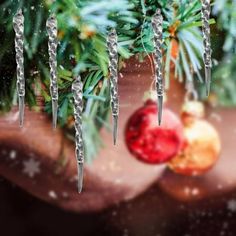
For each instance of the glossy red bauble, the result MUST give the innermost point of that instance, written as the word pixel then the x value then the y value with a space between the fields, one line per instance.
pixel 148 141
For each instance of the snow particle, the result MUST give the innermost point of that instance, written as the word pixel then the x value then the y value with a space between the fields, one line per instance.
pixel 52 194
pixel 231 205
pixel 12 154
pixel 31 167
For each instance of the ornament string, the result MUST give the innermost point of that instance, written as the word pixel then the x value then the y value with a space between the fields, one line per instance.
pixel 18 25
pixel 206 10
pixel 51 26
pixel 151 59
pixel 144 48
pixel 157 22
pixel 113 70
pixel 77 90
pixel 191 92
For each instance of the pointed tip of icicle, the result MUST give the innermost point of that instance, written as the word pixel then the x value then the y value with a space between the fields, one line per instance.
pixel 115 128
pixel 208 80
pixel 160 105
pixel 54 124
pixel 21 124
pixel 21 111
pixel 54 113
pixel 80 177
pixel 21 120
pixel 159 121
pixel 80 188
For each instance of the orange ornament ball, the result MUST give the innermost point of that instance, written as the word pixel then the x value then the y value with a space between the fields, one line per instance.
pixel 202 147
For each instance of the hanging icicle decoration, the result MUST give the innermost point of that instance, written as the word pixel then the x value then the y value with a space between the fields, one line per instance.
pixel 157 21
pixel 113 69
pixel 18 25
pixel 51 26
pixel 77 90
pixel 206 10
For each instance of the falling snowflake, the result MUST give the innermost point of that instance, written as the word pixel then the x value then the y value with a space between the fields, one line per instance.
pixel 12 154
pixel 232 205
pixel 31 167
pixel 52 194
pixel 191 191
pixel 195 191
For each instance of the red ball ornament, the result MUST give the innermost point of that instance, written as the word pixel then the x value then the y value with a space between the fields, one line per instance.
pixel 148 141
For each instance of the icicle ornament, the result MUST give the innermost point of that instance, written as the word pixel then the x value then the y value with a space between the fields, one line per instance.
pixel 51 26
pixel 18 25
pixel 113 69
pixel 157 21
pixel 77 90
pixel 206 10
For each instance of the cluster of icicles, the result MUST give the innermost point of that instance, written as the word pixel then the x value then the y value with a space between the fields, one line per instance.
pixel 77 86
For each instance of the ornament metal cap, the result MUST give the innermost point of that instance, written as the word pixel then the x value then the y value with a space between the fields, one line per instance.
pixel 193 108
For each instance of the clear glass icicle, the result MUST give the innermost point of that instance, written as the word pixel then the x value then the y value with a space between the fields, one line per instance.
pixel 113 70
pixel 206 10
pixel 51 26
pixel 157 22
pixel 18 25
pixel 77 90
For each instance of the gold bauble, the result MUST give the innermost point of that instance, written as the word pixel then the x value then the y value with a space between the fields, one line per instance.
pixel 202 146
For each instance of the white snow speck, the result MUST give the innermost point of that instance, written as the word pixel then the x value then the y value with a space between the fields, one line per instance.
pixel 12 154
pixel 195 191
pixel 31 167
pixel 187 190
pixel 191 191
pixel 52 194
pixel 232 205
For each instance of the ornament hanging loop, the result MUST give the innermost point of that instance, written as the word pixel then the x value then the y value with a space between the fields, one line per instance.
pixel 191 94
pixel 192 106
